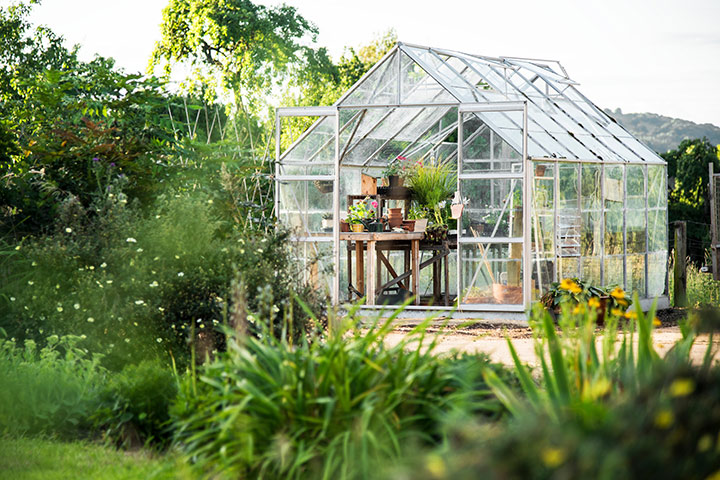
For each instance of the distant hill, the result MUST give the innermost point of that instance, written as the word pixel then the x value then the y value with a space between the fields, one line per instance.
pixel 664 133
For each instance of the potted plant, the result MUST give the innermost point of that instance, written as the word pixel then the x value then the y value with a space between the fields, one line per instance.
pixel 432 184
pixel 394 171
pixel 362 214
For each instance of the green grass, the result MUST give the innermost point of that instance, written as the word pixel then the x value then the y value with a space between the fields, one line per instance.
pixel 42 459
pixel 701 288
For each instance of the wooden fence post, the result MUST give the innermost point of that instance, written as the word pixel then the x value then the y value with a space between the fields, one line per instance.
pixel 679 267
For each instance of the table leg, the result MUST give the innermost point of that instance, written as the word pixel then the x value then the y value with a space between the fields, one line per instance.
pixel 359 260
pixel 447 279
pixel 350 272
pixel 415 245
pixel 370 291
pixel 436 278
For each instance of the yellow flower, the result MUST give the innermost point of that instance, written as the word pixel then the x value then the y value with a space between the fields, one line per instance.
pixel 630 314
pixel 682 387
pixel 617 312
pixel 622 301
pixel 657 322
pixel 570 285
pixel 579 308
pixel 618 293
pixel 553 457
pixel 594 302
pixel 664 419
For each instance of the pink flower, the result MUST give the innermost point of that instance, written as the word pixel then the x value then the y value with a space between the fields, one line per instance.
pixel 400 157
pixel 374 204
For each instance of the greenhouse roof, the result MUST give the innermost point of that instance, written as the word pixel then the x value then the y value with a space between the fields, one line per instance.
pixel 412 88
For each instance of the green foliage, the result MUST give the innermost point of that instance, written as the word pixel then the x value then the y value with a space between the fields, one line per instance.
pixel 51 390
pixel 139 285
pixel 135 405
pixel 688 164
pixel 248 47
pixel 324 408
pixel 658 432
pixel 619 413
pixel 577 376
pixel 572 292
pixel 432 184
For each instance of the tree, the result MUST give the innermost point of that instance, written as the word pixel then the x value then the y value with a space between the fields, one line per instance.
pixel 687 200
pixel 688 165
pixel 239 46
pixel 68 128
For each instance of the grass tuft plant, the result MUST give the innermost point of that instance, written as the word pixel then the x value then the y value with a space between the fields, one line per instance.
pixel 328 407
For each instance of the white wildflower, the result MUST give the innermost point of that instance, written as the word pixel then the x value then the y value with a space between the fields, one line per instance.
pixel 131 240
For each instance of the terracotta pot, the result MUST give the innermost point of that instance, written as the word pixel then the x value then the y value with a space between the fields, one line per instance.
pixel 395 217
pixel 344 226
pixel 357 227
pixel 408 225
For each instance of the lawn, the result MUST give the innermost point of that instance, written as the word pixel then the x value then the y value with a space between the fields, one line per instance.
pixel 35 458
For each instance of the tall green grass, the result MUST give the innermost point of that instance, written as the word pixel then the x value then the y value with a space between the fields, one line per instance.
pixel 52 390
pixel 330 407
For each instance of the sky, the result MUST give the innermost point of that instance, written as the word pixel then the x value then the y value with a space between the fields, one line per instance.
pixel 659 56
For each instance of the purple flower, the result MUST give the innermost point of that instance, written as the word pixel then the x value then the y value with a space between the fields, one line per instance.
pixel 96 159
pixel 112 164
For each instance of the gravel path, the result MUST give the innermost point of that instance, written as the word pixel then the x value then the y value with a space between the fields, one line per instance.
pixel 490 338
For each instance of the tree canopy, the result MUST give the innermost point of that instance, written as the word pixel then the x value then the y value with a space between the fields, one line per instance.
pixel 239 46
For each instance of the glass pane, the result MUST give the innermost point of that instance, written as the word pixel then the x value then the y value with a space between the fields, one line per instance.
pixel 491 273
pixel 568 187
pixel 419 87
pixel 657 270
pixel 317 148
pixel 614 191
pixel 568 267
pixel 591 183
pixel 303 205
pixel 591 271
pixel 541 281
pixel 657 191
pixel 635 186
pixel 485 150
pixel 614 232
pixel 614 271
pixel 495 208
pixel 544 186
pixel 636 274
pixel 657 231
pixel 635 231
pixel 591 234
pixel 317 259
pixel 379 88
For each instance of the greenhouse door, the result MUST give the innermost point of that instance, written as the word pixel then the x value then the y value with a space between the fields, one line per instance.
pixel 492 256
pixel 306 193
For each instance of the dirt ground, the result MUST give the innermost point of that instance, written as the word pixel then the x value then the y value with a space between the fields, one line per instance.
pixel 490 338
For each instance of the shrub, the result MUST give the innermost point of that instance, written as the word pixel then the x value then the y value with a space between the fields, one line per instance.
pixel 667 430
pixel 52 390
pixel 327 408
pixel 141 286
pixel 135 405
pixel 619 414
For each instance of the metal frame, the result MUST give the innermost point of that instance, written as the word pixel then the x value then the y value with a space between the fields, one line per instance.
pixel 557 86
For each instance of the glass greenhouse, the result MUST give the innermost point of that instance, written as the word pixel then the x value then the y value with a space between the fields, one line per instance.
pixel 553 186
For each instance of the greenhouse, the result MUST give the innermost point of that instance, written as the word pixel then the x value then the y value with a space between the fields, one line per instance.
pixel 471 183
